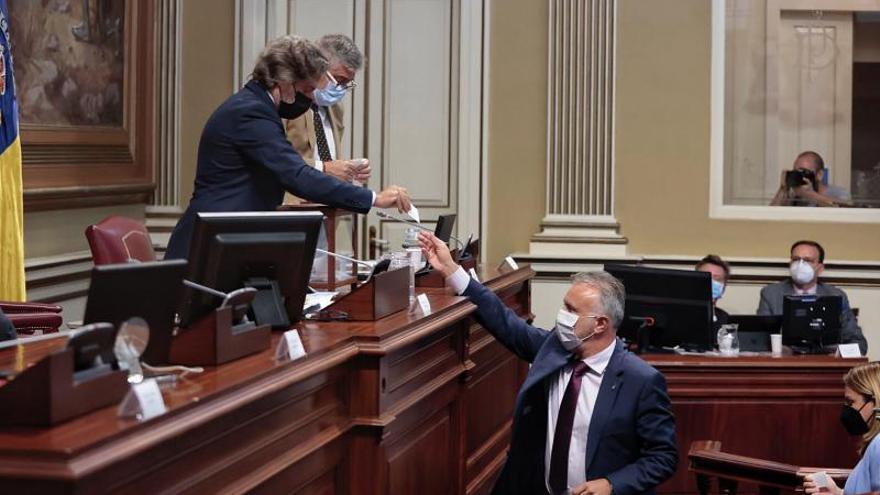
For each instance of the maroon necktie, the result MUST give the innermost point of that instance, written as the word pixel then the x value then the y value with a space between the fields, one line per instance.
pixel 320 137
pixel 564 424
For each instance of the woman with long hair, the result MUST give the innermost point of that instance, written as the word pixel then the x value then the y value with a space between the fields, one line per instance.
pixel 859 417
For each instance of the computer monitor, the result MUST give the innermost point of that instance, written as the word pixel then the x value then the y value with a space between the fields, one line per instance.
pixel 811 323
pixel 443 230
pixel 149 290
pixel 679 302
pixel 270 251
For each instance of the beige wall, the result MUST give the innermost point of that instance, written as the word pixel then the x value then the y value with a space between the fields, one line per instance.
pixel 662 139
pixel 517 140
pixel 207 48
pixel 663 146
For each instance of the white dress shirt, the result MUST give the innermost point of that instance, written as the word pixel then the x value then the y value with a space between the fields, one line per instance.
pixel 808 292
pixel 328 132
pixel 590 383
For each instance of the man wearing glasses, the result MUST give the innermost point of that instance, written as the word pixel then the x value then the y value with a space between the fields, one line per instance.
pixel 317 134
pixel 807 263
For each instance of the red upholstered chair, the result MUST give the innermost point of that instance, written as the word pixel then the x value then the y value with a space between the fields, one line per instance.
pixel 117 239
pixel 32 318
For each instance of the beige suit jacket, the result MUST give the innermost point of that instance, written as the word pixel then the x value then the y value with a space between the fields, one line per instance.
pixel 301 134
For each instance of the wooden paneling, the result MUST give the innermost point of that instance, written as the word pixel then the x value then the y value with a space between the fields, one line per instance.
pixel 382 407
pixel 781 409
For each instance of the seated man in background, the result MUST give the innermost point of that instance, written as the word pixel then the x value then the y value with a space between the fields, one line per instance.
pixel 811 191
pixel 317 134
pixel 720 272
pixel 591 418
pixel 807 263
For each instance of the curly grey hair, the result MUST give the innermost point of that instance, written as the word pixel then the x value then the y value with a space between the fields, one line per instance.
pixel 340 48
pixel 612 294
pixel 289 58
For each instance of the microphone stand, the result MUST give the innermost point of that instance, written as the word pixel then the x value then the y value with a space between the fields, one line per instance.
pixel 346 258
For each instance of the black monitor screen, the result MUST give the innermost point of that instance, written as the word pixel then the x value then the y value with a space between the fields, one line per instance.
pixel 443 230
pixel 231 250
pixel 148 290
pixel 678 301
pixel 811 322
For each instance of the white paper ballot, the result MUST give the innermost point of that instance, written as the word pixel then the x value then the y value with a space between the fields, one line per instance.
pixel 414 213
pixel 820 478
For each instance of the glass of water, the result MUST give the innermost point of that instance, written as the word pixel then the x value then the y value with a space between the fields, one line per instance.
pixel 728 342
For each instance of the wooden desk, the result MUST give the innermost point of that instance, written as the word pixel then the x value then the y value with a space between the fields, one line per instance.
pixel 409 404
pixel 782 409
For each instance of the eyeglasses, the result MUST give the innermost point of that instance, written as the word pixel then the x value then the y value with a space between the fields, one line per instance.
pixel 347 86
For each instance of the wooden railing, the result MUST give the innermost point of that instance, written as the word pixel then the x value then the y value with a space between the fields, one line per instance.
pixel 707 461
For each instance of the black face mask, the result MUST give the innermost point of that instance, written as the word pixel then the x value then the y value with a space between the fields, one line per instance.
pixel 852 421
pixel 300 105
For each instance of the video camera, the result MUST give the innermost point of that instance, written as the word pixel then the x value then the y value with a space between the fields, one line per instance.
pixel 796 177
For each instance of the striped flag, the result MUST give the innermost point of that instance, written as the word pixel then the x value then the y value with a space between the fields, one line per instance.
pixel 12 287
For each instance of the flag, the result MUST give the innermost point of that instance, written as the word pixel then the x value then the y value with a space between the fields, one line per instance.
pixel 12 286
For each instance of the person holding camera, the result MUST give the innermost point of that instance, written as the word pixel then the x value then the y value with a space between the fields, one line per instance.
pixel 804 185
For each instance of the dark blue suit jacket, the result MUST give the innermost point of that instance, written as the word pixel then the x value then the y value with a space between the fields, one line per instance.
pixel 245 163
pixel 631 440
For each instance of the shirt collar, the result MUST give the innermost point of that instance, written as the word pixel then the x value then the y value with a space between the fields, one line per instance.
pixel 599 361
pixel 809 292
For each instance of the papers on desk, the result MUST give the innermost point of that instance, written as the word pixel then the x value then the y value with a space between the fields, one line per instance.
pixel 318 301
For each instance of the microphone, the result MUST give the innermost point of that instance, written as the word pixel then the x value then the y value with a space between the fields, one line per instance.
pixel 204 288
pixel 417 225
pixel 346 258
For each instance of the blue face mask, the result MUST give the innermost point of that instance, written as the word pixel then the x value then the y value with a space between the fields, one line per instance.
pixel 330 95
pixel 717 290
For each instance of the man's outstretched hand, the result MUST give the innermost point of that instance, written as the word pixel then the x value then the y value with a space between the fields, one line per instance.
pixel 437 253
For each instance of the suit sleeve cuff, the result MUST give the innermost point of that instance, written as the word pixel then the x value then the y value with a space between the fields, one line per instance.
pixel 373 202
pixel 319 165
pixel 458 281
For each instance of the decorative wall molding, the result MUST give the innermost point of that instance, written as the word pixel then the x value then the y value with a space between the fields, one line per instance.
pixel 434 45
pixel 56 279
pixel 167 171
pixel 744 270
pixel 580 129
pixel 860 280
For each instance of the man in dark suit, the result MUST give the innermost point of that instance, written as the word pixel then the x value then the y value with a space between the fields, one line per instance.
pixel 807 263
pixel 245 162
pixel 720 272
pixel 591 417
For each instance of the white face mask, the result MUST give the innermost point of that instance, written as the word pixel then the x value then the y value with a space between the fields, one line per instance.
pixel 565 323
pixel 801 272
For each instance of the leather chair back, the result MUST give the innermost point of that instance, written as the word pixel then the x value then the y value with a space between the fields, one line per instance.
pixel 118 239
